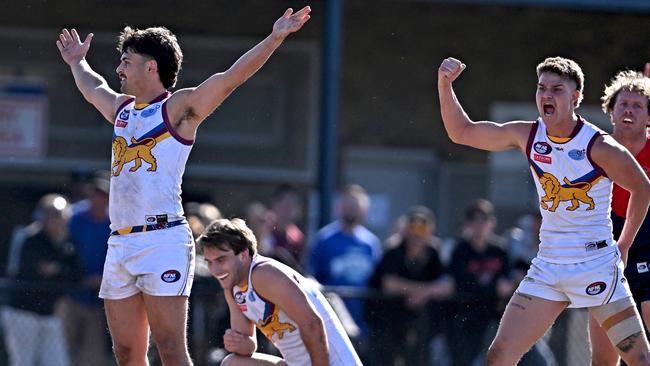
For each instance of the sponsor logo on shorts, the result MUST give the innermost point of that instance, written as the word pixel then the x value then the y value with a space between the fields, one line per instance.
pixel 124 115
pixel 529 279
pixel 542 148
pixel 542 158
pixel 251 296
pixel 243 307
pixel 170 276
pixel 596 288
pixel 558 148
pixel 150 219
pixel 576 154
pixel 240 297
pixel 161 219
pixel 150 111
pixel 121 123
pixel 642 267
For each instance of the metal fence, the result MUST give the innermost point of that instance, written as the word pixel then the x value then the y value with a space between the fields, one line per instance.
pixel 208 319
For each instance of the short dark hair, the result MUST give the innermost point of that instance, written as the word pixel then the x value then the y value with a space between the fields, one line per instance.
pixel 227 234
pixel 158 43
pixel 283 190
pixel 567 69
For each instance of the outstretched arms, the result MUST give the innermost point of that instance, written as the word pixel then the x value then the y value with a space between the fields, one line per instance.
pixel 461 129
pixel 195 104
pixel 92 85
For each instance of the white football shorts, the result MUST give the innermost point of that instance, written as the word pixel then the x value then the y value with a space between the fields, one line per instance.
pixel 157 263
pixel 592 283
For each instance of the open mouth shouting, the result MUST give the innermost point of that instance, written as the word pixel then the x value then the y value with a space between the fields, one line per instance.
pixel 548 109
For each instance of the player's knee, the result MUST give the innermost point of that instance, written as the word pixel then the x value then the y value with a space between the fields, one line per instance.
pixel 126 354
pixel 171 349
pixel 230 360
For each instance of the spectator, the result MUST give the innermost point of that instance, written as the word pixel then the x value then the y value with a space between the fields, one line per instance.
pixel 261 220
pixel 411 276
pixel 33 333
pixel 480 269
pixel 286 211
pixel 83 313
pixel 345 252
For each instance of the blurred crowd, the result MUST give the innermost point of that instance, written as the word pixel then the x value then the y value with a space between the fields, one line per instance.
pixel 410 299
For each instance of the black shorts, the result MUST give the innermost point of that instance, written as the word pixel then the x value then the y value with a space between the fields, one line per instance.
pixel 639 283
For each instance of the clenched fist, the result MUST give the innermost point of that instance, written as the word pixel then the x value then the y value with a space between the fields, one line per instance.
pixel 450 69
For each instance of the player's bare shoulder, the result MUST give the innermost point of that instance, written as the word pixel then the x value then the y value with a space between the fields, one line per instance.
pixel 520 131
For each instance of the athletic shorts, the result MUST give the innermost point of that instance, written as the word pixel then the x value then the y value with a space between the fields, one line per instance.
pixel 157 263
pixel 592 283
pixel 638 276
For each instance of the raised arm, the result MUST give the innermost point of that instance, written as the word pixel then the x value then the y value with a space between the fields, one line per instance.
pixel 240 337
pixel 462 130
pixel 195 104
pixel 92 85
pixel 274 285
pixel 623 170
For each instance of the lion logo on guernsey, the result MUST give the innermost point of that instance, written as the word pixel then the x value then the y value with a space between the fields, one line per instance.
pixel 556 193
pixel 141 150
pixel 272 325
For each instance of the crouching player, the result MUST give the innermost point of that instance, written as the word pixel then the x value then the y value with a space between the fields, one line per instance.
pixel 266 294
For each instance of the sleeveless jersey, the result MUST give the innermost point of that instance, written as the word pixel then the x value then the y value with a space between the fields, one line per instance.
pixel 148 162
pixel 283 332
pixel 574 192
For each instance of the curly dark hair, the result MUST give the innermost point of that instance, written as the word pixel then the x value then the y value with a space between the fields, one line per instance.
pixel 632 81
pixel 567 69
pixel 158 43
pixel 227 234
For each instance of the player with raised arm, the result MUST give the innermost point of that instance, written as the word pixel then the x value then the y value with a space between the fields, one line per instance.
pixel 573 165
pixel 286 307
pixel 150 262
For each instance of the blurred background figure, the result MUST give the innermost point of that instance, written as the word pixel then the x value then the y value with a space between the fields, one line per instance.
pixel 261 221
pixel 286 210
pixel 345 252
pixel 522 240
pixel 480 268
pixel 410 276
pixel 206 315
pixel 47 262
pixel 83 312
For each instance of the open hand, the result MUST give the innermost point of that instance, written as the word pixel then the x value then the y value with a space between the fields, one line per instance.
pixel 291 22
pixel 450 69
pixel 71 47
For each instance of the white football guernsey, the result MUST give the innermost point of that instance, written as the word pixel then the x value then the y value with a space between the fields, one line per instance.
pixel 148 162
pixel 283 332
pixel 574 192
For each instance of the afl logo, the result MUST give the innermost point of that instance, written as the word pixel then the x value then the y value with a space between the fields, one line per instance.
pixel 542 148
pixel 171 276
pixel 240 297
pixel 596 288
pixel 577 154
pixel 124 115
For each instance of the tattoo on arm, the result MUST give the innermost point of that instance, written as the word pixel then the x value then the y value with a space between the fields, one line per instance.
pixel 524 296
pixel 628 343
pixel 518 306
